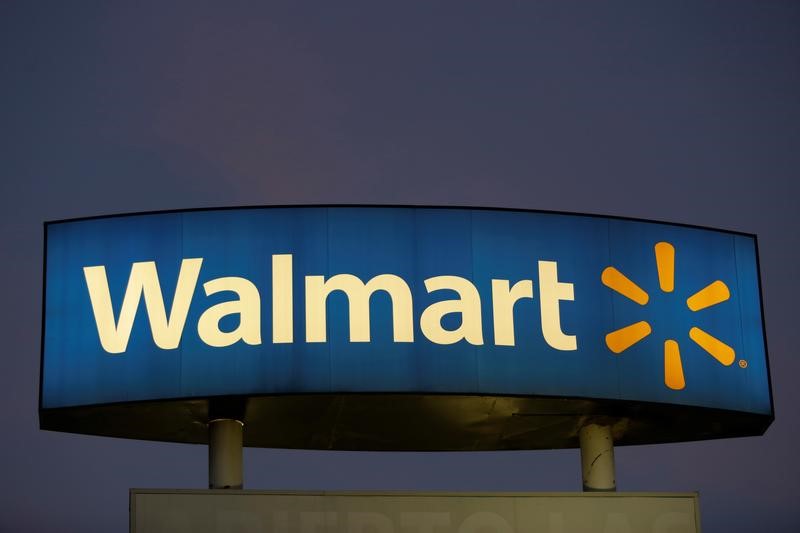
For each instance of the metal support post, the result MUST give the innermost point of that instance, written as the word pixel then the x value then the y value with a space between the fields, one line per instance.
pixel 225 453
pixel 597 458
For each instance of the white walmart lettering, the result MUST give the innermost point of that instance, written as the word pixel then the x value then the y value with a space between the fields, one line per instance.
pixel 114 334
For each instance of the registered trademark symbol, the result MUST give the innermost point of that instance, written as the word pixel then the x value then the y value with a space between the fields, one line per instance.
pixel 742 363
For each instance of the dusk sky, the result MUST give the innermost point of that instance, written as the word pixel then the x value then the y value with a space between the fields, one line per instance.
pixel 679 111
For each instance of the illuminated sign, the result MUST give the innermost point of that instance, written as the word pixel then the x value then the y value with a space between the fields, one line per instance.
pixel 322 300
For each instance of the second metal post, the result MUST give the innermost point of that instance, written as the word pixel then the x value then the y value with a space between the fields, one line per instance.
pixel 597 458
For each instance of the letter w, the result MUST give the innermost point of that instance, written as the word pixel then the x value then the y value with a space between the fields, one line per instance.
pixel 143 279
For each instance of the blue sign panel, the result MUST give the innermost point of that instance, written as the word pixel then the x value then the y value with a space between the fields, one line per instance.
pixel 265 301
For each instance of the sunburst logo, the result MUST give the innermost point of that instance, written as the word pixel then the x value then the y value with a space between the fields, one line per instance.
pixel 712 294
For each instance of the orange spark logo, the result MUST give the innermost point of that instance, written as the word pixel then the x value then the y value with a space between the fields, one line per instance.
pixel 712 294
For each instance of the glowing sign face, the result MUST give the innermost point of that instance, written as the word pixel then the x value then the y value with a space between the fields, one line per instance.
pixel 412 300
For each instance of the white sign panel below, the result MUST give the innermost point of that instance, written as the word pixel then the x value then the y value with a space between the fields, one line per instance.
pixel 231 511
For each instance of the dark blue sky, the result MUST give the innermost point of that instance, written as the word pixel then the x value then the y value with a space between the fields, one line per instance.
pixel 679 111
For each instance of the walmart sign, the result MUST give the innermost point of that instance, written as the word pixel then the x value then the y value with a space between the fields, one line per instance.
pixel 412 300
